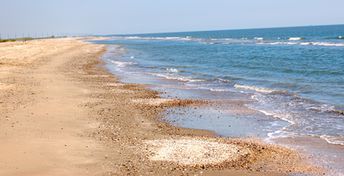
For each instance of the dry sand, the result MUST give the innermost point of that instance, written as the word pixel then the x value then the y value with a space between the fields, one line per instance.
pixel 62 113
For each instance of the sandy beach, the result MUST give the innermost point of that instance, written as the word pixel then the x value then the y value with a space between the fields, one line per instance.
pixel 63 113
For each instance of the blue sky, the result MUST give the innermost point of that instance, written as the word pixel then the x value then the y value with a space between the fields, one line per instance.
pixel 145 16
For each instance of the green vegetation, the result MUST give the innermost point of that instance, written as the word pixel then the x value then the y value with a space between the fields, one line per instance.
pixel 7 40
pixel 26 39
pixel 16 39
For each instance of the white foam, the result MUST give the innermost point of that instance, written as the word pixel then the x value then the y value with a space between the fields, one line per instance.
pixel 327 44
pixel 254 88
pixel 279 43
pixel 219 90
pixel 333 139
pixel 259 38
pixel 223 80
pixel 271 112
pixel 306 44
pixel 132 37
pixel 295 38
pixel 188 38
pixel 322 108
pixel 280 134
pixel 285 117
pixel 174 77
pixel 121 63
pixel 173 70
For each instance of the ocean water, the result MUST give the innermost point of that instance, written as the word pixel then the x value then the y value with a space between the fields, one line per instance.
pixel 292 77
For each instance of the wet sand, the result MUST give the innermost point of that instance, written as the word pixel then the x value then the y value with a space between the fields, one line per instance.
pixel 329 156
pixel 62 113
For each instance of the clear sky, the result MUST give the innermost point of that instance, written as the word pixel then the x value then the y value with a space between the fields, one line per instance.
pixel 146 16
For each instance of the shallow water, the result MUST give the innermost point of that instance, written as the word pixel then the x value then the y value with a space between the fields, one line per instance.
pixel 293 79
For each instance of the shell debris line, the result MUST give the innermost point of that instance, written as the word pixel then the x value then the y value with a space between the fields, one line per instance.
pixel 190 151
pixel 153 101
pixel 168 102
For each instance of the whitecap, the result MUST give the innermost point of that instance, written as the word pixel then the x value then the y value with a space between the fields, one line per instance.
pixel 188 38
pixel 295 38
pixel 327 44
pixel 278 43
pixel 223 80
pixel 173 70
pixel 259 38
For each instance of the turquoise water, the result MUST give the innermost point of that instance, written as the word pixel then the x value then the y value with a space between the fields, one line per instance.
pixel 294 77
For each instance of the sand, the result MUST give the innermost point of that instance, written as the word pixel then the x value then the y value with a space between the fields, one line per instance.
pixel 62 113
pixel 193 151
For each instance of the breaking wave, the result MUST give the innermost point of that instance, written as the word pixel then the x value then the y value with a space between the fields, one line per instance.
pixel 172 70
pixel 255 40
pixel 337 140
pixel 327 44
pixel 122 63
pixel 257 89
pixel 295 38
pixel 176 77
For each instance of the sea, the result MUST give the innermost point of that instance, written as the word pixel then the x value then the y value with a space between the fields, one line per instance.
pixel 281 85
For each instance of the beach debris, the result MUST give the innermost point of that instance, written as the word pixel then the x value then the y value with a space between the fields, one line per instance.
pixel 193 151
pixel 168 102
pixel 153 101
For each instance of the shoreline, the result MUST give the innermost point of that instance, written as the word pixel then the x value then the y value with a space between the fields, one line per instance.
pixel 124 120
pixel 135 62
pixel 196 132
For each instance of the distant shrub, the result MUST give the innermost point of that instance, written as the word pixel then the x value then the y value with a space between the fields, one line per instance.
pixel 17 39
pixel 7 40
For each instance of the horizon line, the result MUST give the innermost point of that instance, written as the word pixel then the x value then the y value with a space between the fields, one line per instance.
pixel 233 29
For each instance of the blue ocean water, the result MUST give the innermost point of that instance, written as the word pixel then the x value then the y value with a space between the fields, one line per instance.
pixel 292 74
pixel 292 78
